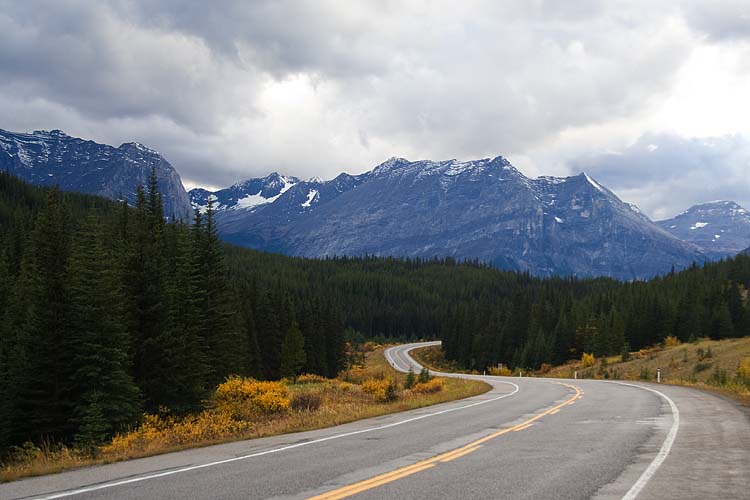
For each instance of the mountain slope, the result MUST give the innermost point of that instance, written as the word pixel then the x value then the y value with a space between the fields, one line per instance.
pixel 719 228
pixel 483 209
pixel 55 158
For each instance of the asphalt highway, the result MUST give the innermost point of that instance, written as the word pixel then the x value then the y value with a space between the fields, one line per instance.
pixel 527 438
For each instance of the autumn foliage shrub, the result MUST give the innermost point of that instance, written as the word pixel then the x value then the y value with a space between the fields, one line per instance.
pixel 671 341
pixel 244 397
pixel 743 370
pixel 311 378
pixel 588 360
pixel 434 385
pixel 504 371
pixel 383 389
pixel 158 432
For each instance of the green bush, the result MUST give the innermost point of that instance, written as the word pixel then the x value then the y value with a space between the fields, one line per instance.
pixel 411 379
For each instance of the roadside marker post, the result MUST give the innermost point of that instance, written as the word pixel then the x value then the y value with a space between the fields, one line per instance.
pixel 658 375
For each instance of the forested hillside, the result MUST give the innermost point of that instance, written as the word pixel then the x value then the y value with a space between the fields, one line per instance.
pixel 108 312
pixel 551 323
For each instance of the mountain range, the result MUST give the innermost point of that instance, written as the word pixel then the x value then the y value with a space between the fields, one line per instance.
pixel 482 209
pixel 49 158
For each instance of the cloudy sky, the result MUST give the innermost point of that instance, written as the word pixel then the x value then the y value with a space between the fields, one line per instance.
pixel 651 98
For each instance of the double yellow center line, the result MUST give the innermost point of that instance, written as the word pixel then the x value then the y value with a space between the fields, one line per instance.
pixel 388 477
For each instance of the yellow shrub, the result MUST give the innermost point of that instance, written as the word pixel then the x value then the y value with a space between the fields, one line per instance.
pixel 342 385
pixel 743 370
pixel 671 341
pixel 156 432
pixel 434 385
pixel 500 372
pixel 383 389
pixel 240 397
pixel 311 378
pixel 588 360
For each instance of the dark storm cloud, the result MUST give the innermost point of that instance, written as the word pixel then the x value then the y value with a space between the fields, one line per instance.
pixel 232 89
pixel 671 173
pixel 720 20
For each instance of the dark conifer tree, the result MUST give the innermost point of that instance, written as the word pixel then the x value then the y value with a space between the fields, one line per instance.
pixel 292 352
pixel 104 398
pixel 221 334
pixel 45 384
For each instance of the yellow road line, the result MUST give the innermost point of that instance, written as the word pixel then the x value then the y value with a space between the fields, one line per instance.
pixel 461 454
pixel 374 482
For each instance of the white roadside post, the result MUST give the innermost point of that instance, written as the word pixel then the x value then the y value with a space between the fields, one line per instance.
pixel 575 375
pixel 658 375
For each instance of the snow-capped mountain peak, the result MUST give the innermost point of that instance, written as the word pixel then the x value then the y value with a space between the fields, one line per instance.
pixel 484 209
pixel 720 228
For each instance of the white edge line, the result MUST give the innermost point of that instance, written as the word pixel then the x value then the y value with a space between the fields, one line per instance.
pixel 646 476
pixel 70 493
pixel 665 447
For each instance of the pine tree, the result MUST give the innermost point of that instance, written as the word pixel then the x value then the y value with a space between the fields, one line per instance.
pixel 411 379
pixel 45 386
pixel 220 332
pixel 145 293
pixel 335 345
pixel 292 352
pixel 185 365
pixel 721 322
pixel 104 398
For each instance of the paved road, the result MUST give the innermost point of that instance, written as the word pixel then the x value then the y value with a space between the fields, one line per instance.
pixel 525 439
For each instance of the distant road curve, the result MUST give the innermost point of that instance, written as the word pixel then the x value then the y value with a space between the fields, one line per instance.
pixel 525 439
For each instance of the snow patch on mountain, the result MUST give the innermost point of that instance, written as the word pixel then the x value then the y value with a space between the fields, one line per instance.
pixel 256 199
pixel 311 197
pixel 593 182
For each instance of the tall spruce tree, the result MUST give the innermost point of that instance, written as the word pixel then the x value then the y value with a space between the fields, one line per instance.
pixel 45 384
pixel 220 332
pixel 292 352
pixel 104 398
pixel 144 283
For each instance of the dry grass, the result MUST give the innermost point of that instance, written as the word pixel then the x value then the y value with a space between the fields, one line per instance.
pixel 715 365
pixel 314 403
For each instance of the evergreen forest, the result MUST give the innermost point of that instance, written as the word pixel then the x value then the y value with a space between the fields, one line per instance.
pixel 108 311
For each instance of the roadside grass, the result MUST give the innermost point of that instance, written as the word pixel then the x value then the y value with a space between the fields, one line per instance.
pixel 249 409
pixel 721 366
pixel 433 358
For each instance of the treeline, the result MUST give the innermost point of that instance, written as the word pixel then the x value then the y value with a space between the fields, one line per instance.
pixel 551 323
pixel 106 311
pixel 485 316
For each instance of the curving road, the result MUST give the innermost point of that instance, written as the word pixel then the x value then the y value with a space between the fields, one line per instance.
pixel 525 439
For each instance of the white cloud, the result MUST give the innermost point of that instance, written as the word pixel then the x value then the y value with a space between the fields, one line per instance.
pixel 317 87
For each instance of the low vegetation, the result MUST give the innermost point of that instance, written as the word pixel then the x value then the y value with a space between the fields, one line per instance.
pixel 433 357
pixel 243 408
pixel 717 365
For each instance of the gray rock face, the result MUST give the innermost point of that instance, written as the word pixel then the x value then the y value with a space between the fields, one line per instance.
pixel 56 159
pixel 483 209
pixel 719 228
